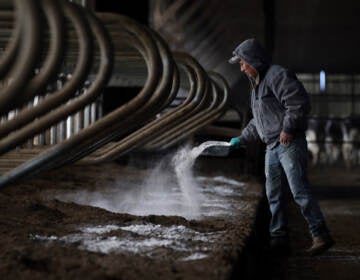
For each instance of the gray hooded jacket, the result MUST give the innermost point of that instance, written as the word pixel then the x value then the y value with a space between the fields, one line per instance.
pixel 279 101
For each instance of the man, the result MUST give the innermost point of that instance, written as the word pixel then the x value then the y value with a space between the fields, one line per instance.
pixel 280 106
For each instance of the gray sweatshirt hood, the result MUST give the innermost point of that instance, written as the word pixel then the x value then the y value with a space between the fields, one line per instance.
pixel 252 53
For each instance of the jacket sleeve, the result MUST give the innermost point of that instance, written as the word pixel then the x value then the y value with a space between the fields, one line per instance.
pixel 249 133
pixel 292 95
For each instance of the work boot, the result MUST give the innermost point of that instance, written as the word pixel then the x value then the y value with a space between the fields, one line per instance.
pixel 320 245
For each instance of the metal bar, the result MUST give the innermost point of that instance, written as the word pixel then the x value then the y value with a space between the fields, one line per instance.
pixel 23 67
pixel 72 144
pixel 153 98
pixel 63 111
pixel 157 126
pixel 196 122
pixel 201 96
pixel 180 128
pixel 9 55
pixel 78 77
pixel 54 56
pixel 144 113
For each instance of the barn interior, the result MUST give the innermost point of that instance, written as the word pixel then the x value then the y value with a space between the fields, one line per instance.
pixel 108 110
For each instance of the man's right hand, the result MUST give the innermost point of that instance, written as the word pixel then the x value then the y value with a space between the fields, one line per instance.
pixel 235 142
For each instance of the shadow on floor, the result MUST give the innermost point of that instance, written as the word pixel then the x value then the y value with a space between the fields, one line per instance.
pixel 340 192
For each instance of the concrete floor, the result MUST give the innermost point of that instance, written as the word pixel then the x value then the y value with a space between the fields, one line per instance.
pixel 338 191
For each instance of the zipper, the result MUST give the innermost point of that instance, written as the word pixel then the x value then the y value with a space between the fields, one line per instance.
pixel 258 123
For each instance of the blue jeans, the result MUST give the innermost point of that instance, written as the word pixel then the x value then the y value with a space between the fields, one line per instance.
pixel 291 161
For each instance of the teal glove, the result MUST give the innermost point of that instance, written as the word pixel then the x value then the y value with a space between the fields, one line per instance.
pixel 235 142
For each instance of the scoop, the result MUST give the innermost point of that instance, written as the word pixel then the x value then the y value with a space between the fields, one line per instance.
pixel 216 148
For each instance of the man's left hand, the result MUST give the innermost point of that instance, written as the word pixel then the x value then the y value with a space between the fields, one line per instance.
pixel 285 138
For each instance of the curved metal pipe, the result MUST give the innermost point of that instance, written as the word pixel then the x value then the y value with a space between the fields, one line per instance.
pixel 9 55
pixel 157 101
pixel 25 62
pixel 173 70
pixel 174 89
pixel 77 103
pixel 91 137
pixel 180 128
pixel 196 122
pixel 150 130
pixel 158 126
pixel 54 56
pixel 199 101
pixel 79 75
pixel 182 131
pixel 80 140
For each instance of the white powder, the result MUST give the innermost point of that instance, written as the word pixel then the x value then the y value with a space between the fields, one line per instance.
pixel 196 256
pixel 147 238
pixel 168 189
pixel 183 162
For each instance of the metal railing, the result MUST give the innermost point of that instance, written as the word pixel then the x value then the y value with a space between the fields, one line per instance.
pixel 54 107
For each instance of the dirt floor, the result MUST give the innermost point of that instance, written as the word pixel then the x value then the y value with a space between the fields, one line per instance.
pixel 42 237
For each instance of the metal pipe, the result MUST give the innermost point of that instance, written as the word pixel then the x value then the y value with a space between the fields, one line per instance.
pixel 159 126
pixel 199 101
pixel 161 44
pixel 25 62
pixel 150 130
pixel 161 95
pixel 9 55
pixel 54 56
pixel 80 139
pixel 147 103
pixel 78 77
pixel 144 113
pixel 180 128
pixel 196 122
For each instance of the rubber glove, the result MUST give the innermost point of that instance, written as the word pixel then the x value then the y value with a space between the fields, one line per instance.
pixel 235 142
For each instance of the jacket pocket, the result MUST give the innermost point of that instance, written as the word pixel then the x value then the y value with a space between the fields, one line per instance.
pixel 271 116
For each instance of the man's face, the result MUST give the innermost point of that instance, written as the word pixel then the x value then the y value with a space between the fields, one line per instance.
pixel 247 69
